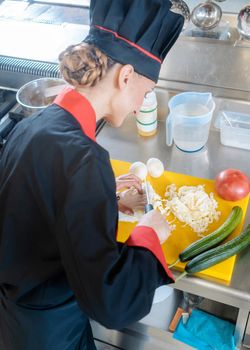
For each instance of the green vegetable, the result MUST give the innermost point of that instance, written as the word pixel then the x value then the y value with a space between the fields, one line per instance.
pixel 214 238
pixel 216 255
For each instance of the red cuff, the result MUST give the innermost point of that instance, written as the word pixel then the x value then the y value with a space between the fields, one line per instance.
pixel 144 236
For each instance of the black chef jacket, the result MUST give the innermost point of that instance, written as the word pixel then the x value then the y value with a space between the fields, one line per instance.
pixel 59 259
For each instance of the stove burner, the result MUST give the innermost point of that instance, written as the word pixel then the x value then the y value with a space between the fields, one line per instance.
pixel 17 113
pixel 8 122
pixel 2 92
pixel 7 101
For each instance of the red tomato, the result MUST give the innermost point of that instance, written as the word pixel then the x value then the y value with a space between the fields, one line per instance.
pixel 232 184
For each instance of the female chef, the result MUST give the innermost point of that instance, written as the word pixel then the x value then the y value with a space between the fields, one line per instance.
pixel 60 263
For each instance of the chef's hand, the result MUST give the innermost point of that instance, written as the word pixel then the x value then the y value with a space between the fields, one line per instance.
pixel 131 200
pixel 128 181
pixel 158 223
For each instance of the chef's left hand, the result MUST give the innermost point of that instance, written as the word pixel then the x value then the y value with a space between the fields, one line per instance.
pixel 128 181
pixel 131 200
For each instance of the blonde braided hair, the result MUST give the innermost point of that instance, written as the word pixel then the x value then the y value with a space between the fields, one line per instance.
pixel 84 65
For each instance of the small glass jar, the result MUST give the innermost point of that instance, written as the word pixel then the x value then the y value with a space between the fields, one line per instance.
pixel 147 119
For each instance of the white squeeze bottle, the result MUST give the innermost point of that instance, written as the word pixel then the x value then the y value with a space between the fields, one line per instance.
pixel 147 119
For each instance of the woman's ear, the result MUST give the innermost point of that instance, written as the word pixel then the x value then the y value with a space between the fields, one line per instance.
pixel 125 76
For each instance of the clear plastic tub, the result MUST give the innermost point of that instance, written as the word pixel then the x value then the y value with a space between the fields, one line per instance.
pixel 234 129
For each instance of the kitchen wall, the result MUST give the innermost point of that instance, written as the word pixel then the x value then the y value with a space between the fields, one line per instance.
pixel 207 63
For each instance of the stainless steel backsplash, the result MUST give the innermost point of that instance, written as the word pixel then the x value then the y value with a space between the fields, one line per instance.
pixel 201 63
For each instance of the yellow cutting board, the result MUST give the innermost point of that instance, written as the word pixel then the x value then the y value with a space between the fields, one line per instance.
pixel 182 236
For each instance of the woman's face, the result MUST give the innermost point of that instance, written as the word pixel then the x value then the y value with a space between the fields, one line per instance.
pixel 128 96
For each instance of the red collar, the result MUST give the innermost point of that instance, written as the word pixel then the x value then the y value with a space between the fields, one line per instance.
pixel 80 108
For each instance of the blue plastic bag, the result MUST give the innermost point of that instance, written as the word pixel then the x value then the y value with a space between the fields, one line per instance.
pixel 206 332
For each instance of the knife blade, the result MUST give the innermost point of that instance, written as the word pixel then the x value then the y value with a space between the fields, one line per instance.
pixel 148 206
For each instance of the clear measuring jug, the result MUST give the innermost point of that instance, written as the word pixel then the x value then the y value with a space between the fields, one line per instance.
pixel 188 122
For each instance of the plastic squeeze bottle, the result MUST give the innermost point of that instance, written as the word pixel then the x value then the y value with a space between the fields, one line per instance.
pixel 147 119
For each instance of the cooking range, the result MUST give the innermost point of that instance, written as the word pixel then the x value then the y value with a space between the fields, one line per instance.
pixel 11 113
pixel 7 118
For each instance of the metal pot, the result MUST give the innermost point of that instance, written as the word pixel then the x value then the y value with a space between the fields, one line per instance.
pixel 39 93
pixel 180 7
pixel 243 24
pixel 206 15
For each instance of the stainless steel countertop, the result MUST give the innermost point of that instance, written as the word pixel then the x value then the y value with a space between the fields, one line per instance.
pixel 125 144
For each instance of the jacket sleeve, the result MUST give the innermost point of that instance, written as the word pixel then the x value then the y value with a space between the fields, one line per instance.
pixel 114 283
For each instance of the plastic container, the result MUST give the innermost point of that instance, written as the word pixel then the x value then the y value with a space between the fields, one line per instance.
pixel 165 303
pixel 189 120
pixel 234 129
pixel 147 119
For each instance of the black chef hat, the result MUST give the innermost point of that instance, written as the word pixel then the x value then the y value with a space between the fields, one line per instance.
pixel 136 32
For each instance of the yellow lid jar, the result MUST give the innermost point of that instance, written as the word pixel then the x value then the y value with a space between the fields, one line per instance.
pixel 147 119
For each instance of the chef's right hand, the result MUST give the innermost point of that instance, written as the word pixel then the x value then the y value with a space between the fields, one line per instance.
pixel 158 223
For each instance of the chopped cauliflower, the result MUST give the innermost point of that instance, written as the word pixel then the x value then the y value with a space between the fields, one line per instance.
pixel 193 206
pixel 189 204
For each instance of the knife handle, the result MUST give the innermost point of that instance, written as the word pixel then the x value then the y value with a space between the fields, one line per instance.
pixel 148 207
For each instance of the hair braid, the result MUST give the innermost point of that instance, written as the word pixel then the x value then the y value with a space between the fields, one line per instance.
pixel 84 64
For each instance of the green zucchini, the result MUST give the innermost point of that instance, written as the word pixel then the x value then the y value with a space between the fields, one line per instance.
pixel 214 238
pixel 214 256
